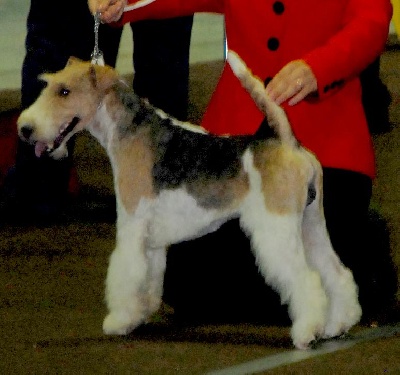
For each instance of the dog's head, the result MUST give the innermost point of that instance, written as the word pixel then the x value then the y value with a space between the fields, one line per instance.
pixel 66 105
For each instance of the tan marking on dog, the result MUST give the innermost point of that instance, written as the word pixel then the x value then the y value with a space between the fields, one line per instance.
pixel 87 85
pixel 134 178
pixel 51 99
pixel 116 110
pixel 285 174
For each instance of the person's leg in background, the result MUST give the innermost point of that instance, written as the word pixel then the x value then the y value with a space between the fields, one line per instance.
pixel 376 99
pixel 369 256
pixel 38 187
pixel 161 63
pixel 360 240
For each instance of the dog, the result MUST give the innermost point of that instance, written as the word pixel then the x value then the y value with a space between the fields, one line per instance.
pixel 174 182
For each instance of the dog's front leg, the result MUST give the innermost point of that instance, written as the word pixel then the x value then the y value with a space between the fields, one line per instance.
pixel 126 278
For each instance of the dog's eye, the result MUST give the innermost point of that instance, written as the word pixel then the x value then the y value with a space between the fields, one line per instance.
pixel 63 91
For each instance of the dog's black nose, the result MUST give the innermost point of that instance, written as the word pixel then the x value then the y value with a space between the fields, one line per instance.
pixel 26 131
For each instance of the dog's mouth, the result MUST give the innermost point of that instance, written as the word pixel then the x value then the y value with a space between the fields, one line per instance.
pixel 43 147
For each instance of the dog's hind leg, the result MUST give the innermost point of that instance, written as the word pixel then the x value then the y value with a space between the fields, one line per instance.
pixel 276 236
pixel 344 309
pixel 276 242
pixel 126 278
pixel 278 246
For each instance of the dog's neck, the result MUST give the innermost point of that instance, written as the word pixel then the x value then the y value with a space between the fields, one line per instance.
pixel 119 105
pixel 103 125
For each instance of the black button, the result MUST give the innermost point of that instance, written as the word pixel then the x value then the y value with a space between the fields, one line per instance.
pixel 278 7
pixel 340 82
pixel 267 80
pixel 333 85
pixel 273 44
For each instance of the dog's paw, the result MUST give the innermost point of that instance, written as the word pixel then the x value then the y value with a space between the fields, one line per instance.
pixel 305 333
pixel 115 324
pixel 344 310
pixel 342 319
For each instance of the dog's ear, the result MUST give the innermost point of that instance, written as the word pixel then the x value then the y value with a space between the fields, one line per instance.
pixel 44 77
pixel 72 60
pixel 102 77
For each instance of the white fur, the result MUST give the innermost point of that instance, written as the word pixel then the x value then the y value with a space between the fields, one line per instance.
pixel 102 127
pixel 178 217
pixel 184 125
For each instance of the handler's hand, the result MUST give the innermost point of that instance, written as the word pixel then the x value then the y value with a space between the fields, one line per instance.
pixel 293 82
pixel 111 10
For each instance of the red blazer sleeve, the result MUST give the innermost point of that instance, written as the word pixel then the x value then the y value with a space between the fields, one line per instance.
pixel 170 9
pixel 360 40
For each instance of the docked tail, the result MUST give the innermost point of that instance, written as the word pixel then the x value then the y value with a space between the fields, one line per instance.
pixel 276 116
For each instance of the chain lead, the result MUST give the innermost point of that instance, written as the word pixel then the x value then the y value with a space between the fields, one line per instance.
pixel 97 55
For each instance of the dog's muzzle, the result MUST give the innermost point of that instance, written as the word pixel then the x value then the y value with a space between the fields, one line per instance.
pixel 26 133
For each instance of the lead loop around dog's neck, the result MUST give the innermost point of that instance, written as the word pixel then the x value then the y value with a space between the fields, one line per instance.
pixel 97 55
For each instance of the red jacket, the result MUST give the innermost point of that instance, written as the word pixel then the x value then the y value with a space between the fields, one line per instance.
pixel 337 39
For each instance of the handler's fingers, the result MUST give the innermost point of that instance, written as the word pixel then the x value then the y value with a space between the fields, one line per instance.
pixel 113 12
pixel 98 5
pixel 286 89
pixel 278 89
pixel 294 81
pixel 297 98
pixel 110 10
pixel 282 97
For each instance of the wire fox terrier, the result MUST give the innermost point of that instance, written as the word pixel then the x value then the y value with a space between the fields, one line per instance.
pixel 174 181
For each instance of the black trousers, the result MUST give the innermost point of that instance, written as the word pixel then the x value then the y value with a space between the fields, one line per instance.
pixel 376 99
pixel 215 278
pixel 161 60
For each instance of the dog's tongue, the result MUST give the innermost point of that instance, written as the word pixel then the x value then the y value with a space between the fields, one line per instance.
pixel 40 148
